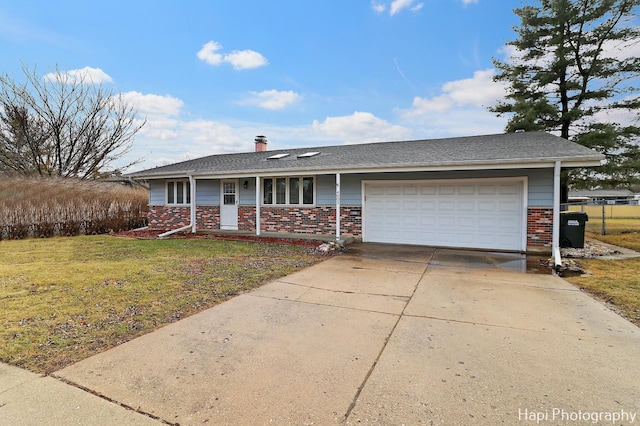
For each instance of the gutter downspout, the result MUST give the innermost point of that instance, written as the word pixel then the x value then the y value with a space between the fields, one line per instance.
pixel 192 212
pixel 555 244
pixel 258 206
pixel 337 206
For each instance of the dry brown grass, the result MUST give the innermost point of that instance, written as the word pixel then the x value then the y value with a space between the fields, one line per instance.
pixel 616 282
pixel 44 207
pixel 63 299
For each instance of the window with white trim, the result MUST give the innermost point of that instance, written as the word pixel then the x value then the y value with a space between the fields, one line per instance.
pixel 295 190
pixel 178 192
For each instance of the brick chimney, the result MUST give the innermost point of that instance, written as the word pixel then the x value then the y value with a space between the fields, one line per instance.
pixel 261 143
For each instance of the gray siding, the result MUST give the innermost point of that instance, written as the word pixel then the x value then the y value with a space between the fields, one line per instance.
pixel 326 190
pixel 157 192
pixel 248 194
pixel 208 192
pixel 541 188
pixel 540 183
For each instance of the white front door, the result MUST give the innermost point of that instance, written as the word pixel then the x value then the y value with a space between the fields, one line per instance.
pixel 229 204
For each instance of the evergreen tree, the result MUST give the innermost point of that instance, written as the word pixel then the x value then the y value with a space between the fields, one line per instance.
pixel 570 73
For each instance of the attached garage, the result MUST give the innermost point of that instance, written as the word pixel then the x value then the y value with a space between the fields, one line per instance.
pixel 478 213
pixel 493 192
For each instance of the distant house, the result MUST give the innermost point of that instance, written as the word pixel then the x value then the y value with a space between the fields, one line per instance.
pixel 603 196
pixel 494 192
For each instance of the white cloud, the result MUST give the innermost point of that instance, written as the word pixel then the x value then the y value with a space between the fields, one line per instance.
pixel 86 75
pixel 398 5
pixel 479 91
pixel 160 129
pixel 245 59
pixel 273 99
pixel 360 127
pixel 208 53
pixel 462 121
pixel 239 59
pixel 165 140
pixel 154 104
pixel 459 108
pixel 619 50
pixel 467 2
pixel 378 7
pixel 623 117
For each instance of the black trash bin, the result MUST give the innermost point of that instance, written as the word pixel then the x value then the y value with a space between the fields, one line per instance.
pixel 572 226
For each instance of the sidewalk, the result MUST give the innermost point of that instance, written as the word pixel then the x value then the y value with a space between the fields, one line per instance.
pixel 30 399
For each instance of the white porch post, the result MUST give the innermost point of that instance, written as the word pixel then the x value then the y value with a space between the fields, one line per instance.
pixel 192 188
pixel 337 206
pixel 555 242
pixel 258 205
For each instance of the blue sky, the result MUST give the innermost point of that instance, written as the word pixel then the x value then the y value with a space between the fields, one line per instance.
pixel 210 75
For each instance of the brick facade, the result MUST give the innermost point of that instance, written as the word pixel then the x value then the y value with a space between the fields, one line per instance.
pixel 163 218
pixel 207 217
pixel 299 220
pixel 314 220
pixel 539 227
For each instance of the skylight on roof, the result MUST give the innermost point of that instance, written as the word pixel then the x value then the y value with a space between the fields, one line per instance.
pixel 277 156
pixel 308 154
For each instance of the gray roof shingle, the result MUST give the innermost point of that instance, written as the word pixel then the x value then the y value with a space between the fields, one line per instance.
pixel 450 153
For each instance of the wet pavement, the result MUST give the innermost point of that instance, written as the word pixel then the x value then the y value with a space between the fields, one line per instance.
pixel 379 335
pixel 455 258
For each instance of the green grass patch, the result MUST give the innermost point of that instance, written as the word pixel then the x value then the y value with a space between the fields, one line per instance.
pixel 64 299
pixel 615 281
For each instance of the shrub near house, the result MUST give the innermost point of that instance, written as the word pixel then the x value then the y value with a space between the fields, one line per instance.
pixel 40 207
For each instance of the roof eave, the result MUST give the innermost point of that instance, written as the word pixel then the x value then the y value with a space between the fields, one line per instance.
pixel 370 168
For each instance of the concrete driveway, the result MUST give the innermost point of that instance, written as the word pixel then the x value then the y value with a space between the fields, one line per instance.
pixel 384 335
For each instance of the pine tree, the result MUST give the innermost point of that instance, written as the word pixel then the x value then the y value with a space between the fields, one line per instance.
pixel 570 73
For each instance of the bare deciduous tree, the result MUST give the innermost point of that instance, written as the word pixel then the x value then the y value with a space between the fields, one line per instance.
pixel 62 125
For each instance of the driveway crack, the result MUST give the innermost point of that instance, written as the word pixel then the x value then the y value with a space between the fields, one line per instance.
pixel 384 345
pixel 112 401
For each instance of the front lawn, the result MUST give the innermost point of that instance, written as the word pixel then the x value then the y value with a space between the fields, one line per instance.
pixel 617 282
pixel 64 299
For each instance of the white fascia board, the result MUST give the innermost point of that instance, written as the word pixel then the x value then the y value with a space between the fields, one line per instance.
pixel 548 163
pixel 172 175
pixel 297 171
pixel 581 163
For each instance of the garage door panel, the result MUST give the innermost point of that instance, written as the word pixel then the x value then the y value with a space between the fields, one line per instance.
pixel 446 206
pixel 446 221
pixel 446 190
pixel 428 206
pixel 487 206
pixel 410 190
pixel 466 190
pixel 428 190
pixel 393 190
pixel 466 206
pixel 479 214
pixel 508 190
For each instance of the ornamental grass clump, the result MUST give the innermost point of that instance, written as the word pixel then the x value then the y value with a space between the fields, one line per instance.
pixel 46 207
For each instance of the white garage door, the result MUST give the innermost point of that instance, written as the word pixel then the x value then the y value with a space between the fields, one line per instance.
pixel 480 213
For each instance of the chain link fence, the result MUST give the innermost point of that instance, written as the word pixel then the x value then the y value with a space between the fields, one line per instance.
pixel 609 216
